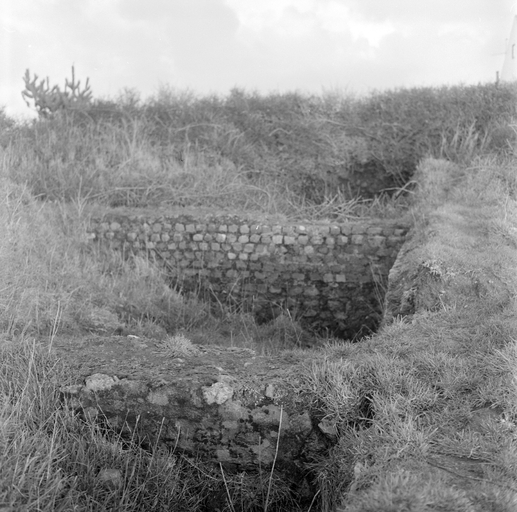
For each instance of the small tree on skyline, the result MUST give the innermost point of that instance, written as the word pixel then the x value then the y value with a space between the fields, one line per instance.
pixel 49 100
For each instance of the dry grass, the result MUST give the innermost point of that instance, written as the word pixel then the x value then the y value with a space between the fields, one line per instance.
pixel 280 154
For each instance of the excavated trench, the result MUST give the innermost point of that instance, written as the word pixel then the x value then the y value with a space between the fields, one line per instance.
pixel 244 412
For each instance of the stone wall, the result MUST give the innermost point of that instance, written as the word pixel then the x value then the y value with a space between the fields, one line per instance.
pixel 330 276
pixel 223 405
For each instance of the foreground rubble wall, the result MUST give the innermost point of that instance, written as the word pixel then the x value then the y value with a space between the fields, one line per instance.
pixel 327 275
pixel 228 406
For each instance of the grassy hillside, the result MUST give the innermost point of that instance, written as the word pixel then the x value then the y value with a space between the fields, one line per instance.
pixel 438 430
pixel 289 154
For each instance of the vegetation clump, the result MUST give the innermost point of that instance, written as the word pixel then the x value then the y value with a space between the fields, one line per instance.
pixel 290 154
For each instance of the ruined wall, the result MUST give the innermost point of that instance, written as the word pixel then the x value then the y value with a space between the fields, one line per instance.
pixel 328 275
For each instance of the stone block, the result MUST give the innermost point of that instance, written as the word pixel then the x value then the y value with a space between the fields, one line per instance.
pixel 328 278
pixel 377 240
pixel 358 229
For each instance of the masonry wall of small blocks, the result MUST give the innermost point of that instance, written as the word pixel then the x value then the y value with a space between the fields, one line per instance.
pixel 330 276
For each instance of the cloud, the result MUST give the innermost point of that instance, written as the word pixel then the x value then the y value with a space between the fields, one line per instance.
pixel 213 45
pixel 430 12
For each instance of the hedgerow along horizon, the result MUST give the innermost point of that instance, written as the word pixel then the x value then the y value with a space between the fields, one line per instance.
pixel 290 154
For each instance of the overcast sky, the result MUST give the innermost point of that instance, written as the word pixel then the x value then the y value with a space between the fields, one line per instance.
pixel 213 45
